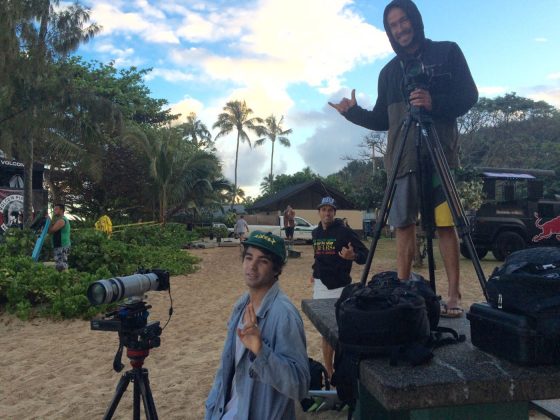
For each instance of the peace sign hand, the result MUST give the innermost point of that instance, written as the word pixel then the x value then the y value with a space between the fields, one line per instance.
pixel 250 335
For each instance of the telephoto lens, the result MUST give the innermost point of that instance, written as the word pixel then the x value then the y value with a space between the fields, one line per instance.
pixel 117 288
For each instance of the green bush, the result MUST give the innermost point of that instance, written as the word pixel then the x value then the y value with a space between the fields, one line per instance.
pixel 17 241
pixel 30 289
pixel 173 235
pixel 205 232
pixel 92 251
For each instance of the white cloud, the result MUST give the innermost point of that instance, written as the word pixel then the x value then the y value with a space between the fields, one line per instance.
pixel 549 94
pixel 147 22
pixel 274 45
pixel 185 107
pixel 334 138
pixel 120 57
pixel 490 91
pixel 170 75
pixel 214 26
pixel 553 76
pixel 541 39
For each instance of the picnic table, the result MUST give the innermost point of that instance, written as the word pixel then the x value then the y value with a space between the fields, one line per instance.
pixel 461 381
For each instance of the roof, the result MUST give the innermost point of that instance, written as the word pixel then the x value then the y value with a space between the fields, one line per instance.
pixel 514 173
pixel 507 175
pixel 314 190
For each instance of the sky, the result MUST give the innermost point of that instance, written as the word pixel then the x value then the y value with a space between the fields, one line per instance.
pixel 290 57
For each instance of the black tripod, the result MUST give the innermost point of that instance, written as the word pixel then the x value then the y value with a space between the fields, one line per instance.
pixel 139 376
pixel 427 136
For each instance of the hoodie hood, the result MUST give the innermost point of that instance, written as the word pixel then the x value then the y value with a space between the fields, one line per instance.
pixel 413 14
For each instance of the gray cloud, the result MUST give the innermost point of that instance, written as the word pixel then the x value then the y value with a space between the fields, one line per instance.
pixel 334 138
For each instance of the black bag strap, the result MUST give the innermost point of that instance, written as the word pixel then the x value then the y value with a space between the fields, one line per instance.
pixel 416 354
pixel 437 340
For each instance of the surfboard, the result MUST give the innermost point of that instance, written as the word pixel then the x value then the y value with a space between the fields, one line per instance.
pixel 41 240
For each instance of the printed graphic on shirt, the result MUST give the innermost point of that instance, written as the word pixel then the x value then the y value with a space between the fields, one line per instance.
pixel 324 246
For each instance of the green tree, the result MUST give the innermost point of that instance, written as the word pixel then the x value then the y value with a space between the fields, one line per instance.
pixel 272 130
pixel 45 34
pixel 87 153
pixel 526 129
pixel 237 115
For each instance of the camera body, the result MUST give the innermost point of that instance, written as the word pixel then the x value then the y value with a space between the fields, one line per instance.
pixel 418 75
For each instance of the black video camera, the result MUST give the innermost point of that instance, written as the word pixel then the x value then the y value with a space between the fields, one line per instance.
pixel 418 75
pixel 130 320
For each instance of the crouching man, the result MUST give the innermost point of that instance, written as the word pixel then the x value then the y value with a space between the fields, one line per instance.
pixel 264 367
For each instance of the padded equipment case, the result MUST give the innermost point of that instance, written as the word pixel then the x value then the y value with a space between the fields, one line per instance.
pixel 512 336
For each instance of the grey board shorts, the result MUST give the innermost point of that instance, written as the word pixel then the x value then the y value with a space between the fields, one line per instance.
pixel 404 208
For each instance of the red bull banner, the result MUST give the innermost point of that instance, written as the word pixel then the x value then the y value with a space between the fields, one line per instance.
pixel 548 229
pixel 11 208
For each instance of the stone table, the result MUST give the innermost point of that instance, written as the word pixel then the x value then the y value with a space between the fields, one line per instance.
pixel 461 381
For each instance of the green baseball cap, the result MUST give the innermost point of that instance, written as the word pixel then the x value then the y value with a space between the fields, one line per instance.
pixel 267 241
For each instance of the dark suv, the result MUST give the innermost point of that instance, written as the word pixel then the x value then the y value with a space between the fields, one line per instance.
pixel 514 214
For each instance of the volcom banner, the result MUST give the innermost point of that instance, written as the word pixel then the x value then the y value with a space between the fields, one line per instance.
pixel 11 206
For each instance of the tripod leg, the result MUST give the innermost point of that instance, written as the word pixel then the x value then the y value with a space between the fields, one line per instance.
pixel 452 197
pixel 424 181
pixel 136 399
pixel 121 388
pixel 387 200
pixel 147 398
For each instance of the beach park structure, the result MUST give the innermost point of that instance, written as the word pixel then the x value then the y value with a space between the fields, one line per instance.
pixel 304 199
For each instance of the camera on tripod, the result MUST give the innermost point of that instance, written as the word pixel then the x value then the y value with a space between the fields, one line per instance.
pixel 138 335
pixel 130 320
pixel 418 75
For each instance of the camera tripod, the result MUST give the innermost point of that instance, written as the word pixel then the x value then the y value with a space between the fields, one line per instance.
pixel 426 136
pixel 139 376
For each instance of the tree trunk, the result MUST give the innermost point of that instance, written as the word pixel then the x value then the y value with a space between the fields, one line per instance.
pixel 28 175
pixel 235 182
pixel 271 162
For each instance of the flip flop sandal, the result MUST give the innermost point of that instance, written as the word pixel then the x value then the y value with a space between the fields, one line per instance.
pixel 450 312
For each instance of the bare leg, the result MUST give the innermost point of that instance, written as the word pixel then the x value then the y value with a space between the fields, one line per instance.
pixel 406 240
pixel 328 356
pixel 449 248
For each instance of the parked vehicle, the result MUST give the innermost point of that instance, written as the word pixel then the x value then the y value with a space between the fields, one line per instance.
pixel 514 215
pixel 302 230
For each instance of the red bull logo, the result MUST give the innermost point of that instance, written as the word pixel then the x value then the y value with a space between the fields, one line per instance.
pixel 548 229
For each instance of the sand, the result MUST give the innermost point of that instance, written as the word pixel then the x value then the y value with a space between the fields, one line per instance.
pixel 63 370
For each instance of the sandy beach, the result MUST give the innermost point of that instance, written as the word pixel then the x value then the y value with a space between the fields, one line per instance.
pixel 63 370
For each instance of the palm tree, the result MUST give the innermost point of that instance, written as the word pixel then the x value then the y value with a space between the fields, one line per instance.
pixel 184 177
pixel 273 131
pixel 237 116
pixel 267 185
pixel 196 132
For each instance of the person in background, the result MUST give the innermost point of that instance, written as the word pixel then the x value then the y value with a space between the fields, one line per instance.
pixel 241 228
pixel 289 222
pixel 60 231
pixel 336 247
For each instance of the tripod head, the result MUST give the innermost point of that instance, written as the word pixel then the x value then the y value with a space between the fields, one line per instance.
pixel 130 320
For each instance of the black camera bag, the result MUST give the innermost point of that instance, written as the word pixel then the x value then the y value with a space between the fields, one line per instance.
pixel 386 318
pixel 528 283
pixel 374 321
